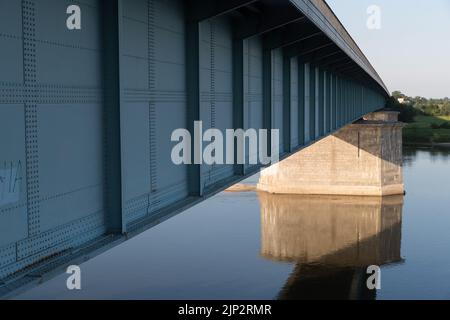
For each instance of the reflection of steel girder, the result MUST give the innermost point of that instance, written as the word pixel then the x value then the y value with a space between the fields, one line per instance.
pixel 301 27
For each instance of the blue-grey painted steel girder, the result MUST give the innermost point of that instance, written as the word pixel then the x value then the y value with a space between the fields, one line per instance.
pixel 117 89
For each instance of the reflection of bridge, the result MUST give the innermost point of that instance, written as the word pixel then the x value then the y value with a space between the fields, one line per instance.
pixel 332 240
pixel 86 115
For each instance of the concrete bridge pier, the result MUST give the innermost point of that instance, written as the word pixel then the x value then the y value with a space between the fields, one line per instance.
pixel 361 159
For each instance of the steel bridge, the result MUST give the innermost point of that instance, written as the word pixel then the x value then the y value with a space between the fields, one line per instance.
pixel 86 115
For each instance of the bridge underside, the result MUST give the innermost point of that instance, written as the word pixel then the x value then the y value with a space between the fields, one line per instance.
pixel 86 116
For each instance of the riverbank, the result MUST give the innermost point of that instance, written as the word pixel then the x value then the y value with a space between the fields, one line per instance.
pixel 425 144
pixel 428 131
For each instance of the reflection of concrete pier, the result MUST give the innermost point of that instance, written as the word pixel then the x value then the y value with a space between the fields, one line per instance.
pixel 364 159
pixel 344 231
pixel 333 239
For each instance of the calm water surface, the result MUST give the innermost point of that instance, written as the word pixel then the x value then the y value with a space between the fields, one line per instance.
pixel 260 246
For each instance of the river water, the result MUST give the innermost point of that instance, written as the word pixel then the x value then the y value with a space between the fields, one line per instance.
pixel 259 246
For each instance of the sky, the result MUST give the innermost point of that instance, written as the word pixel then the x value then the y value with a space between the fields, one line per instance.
pixel 411 51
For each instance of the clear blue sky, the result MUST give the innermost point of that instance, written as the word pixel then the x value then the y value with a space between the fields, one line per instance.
pixel 411 51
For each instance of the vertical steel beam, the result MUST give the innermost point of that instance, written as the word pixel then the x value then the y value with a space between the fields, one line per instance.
pixel 329 123
pixel 267 97
pixel 346 105
pixel 112 24
pixel 350 97
pixel 195 184
pixel 337 97
pixel 333 102
pixel 361 98
pixel 351 91
pixel 334 94
pixel 321 102
pixel 238 97
pixel 287 107
pixel 349 102
pixel 343 100
pixel 31 117
pixel 354 98
pixel 301 102
pixel 312 106
pixel 339 102
pixel 343 104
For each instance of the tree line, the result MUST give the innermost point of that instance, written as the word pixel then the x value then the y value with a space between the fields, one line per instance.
pixel 410 107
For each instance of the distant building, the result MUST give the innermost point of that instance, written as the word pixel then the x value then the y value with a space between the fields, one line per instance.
pixel 402 100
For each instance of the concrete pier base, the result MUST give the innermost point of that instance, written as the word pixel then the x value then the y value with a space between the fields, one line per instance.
pixel 362 159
